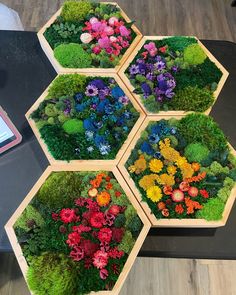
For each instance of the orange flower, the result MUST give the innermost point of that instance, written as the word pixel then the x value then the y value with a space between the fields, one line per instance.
pixel 196 166
pixel 179 209
pixel 192 205
pixel 197 178
pixel 108 178
pixel 96 182
pixel 165 212
pixel 109 185
pixel 101 175
pixel 167 190
pixel 103 199
pixel 161 205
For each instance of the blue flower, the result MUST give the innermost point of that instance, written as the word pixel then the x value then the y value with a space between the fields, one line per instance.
pixel 173 130
pixel 109 109
pixel 95 99
pixel 98 83
pixel 154 138
pixel 104 148
pixel 89 135
pixel 147 148
pixel 80 107
pixel 120 121
pixel 98 124
pixel 156 129
pixel 118 105
pixel 117 92
pixel 88 125
pixel 101 105
pixel 157 155
pixel 99 139
pixel 78 97
pixel 125 128
pixel 127 115
pixel 90 149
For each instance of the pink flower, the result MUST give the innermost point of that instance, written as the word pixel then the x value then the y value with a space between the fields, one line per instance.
pixel 109 50
pixel 81 228
pixel 100 259
pixel 97 219
pixel 67 215
pixel 113 39
pixel 93 20
pixel 103 274
pixel 115 253
pixel 124 31
pixel 125 44
pixel 108 30
pixel 151 48
pixel 116 52
pixel 73 239
pixel 96 49
pixel 77 254
pixel 55 216
pixel 86 38
pixel 114 209
pixel 105 235
pixel 98 26
pixel 104 42
pixel 112 20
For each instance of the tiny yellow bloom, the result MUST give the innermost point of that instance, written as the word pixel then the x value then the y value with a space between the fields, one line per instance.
pixel 171 170
pixel 155 165
pixel 131 169
pixel 154 193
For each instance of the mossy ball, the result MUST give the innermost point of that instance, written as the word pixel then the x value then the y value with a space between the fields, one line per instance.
pixel 73 126
pixel 196 152
pixel 75 10
pixel 72 55
pixel 194 54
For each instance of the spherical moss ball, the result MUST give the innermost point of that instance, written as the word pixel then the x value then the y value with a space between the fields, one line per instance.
pixel 75 11
pixel 72 55
pixel 52 273
pixel 196 152
pixel 50 110
pixel 73 126
pixel 194 54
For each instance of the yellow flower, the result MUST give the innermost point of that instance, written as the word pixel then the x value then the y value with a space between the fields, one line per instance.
pixel 148 181
pixel 187 170
pixel 140 164
pixel 155 165
pixel 166 179
pixel 181 161
pixel 167 151
pixel 131 169
pixel 154 193
pixel 171 170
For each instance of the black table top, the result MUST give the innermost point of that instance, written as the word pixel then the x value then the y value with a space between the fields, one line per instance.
pixel 25 72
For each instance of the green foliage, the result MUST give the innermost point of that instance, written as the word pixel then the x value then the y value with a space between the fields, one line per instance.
pixel 29 218
pixel 51 110
pixel 75 11
pixel 127 242
pixel 192 99
pixel 41 123
pixel 151 104
pixel 202 129
pixel 73 126
pixel 232 174
pixel 232 159
pixel 203 75
pixel 196 152
pixel 216 168
pixel 173 140
pixel 66 85
pixel 60 189
pixel 130 213
pixel 135 226
pixel 212 210
pixel 178 43
pixel 120 221
pixel 194 54
pixel 66 30
pixel 72 55
pixel 52 274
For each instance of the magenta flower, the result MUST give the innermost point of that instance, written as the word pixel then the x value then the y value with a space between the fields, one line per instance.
pixel 104 42
pixel 98 26
pixel 77 253
pixel 109 50
pixel 103 274
pixel 108 30
pixel 100 259
pixel 151 48
pixel 124 31
pixel 96 49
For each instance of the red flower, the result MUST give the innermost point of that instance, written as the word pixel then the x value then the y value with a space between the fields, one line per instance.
pixel 109 185
pixel 80 202
pixel 144 54
pixel 55 216
pixel 97 219
pixel 117 234
pixel 117 194
pixel 77 253
pixel 115 268
pixel 103 274
pixel 162 49
pixel 114 209
pixel 73 239
pixel 100 259
pixel 115 253
pixel 109 218
pixel 108 178
pixel 204 193
pixel 81 228
pixel 88 262
pixel 179 209
pixel 89 247
pixel 105 235
pixel 67 215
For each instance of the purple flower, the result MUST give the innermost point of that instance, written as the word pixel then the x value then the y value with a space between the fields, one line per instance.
pixel 140 61
pixel 162 85
pixel 142 68
pixel 160 65
pixel 134 69
pixel 171 83
pixel 91 90
pixel 169 93
pixel 175 69
pixel 98 83
pixel 146 89
pixel 158 58
pixel 150 76
pixel 123 99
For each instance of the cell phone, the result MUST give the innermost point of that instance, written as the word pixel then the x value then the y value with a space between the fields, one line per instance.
pixel 9 135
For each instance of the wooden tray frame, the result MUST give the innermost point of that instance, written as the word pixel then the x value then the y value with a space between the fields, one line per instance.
pixel 132 256
pixel 183 223
pixel 123 76
pixel 60 69
pixel 125 145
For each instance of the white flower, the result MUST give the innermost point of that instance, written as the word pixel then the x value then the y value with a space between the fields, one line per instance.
pixel 113 39
pixel 93 20
pixel 90 149
pixel 112 20
pixel 86 38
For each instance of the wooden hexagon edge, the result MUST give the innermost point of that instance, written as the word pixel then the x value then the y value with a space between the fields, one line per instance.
pixel 195 223
pixel 133 254
pixel 126 80
pixel 60 69
pixel 123 148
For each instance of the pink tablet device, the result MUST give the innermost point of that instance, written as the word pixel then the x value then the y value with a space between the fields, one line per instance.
pixel 9 135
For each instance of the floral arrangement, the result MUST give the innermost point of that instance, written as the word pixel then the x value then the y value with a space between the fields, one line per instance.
pixel 183 168
pixel 174 74
pixel 89 34
pixel 84 118
pixel 77 240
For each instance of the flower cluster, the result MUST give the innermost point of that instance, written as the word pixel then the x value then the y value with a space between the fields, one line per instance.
pixel 171 173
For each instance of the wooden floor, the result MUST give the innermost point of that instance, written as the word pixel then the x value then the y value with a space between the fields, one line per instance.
pixel 207 19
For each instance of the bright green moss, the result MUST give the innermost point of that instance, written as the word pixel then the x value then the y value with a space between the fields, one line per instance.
pixel 52 274
pixel 29 218
pixel 196 152
pixel 72 55
pixel 194 54
pixel 66 85
pixel 192 99
pixel 212 210
pixel 75 10
pixel 73 126
pixel 60 188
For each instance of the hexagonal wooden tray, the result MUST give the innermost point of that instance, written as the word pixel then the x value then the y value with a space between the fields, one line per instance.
pixel 196 223
pixel 132 256
pixel 60 69
pixel 99 162
pixel 123 76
